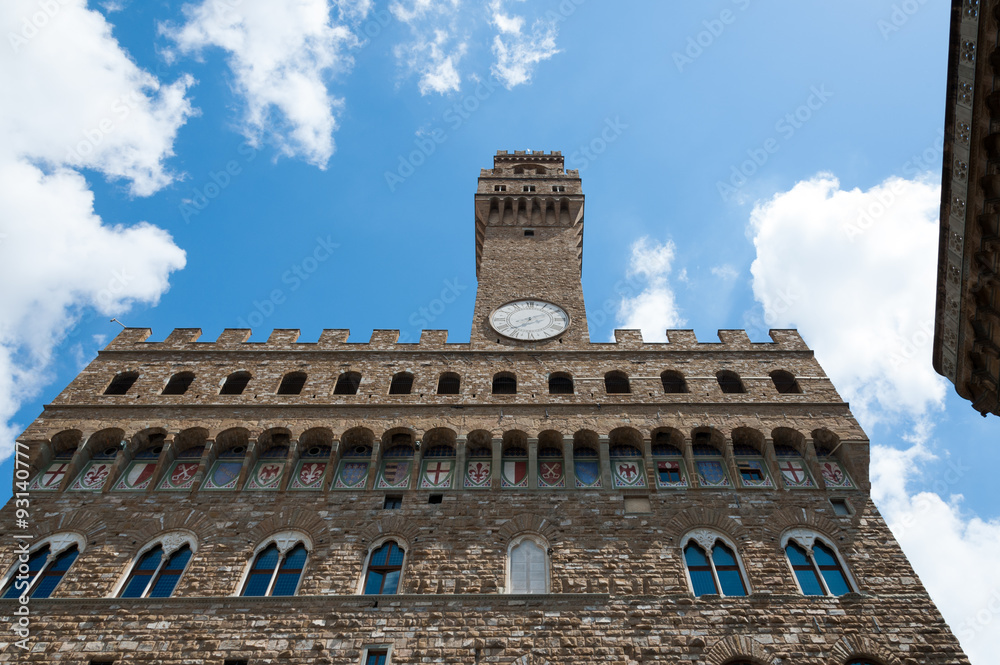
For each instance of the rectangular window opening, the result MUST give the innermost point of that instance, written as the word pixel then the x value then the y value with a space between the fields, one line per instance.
pixel 558 188
pixel 528 233
pixel 376 657
pixel 840 507
pixel 435 498
pixel 499 188
pixel 529 188
pixel 230 661
pixel 393 503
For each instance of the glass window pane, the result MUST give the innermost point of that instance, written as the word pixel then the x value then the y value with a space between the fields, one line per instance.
pixel 824 556
pixel 178 559
pixel 732 583
pixel 694 556
pixel 702 582
pixel 136 586
pixel 164 585
pixel 150 560
pixel 809 582
pixel 797 556
pixel 296 559
pixel 257 584
pixel 722 556
pixel 267 559
pixel 391 582
pixel 395 555
pixel 380 555
pixel 285 584
pixel 836 582
pixel 374 582
pixel 46 586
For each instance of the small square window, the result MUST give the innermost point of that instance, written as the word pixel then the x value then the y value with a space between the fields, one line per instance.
pixel 529 188
pixel 558 188
pixel 435 498
pixel 499 188
pixel 393 502
pixel 840 507
pixel 528 233
pixel 376 657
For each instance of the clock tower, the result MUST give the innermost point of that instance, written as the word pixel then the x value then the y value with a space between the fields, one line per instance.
pixel 529 253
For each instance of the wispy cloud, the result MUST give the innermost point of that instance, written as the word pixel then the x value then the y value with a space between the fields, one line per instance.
pixel 435 50
pixel 654 309
pixel 281 62
pixel 518 51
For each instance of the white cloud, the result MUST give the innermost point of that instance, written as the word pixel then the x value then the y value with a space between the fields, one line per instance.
pixel 854 271
pixel 280 61
pixel 435 51
pixel 654 309
pixel 954 554
pixel 516 51
pixel 725 272
pixel 81 102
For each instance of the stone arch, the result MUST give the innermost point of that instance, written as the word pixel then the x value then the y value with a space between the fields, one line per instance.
pixel 704 517
pixel 438 437
pixel 789 437
pixel 739 647
pixel 103 440
pixel 787 518
pixel 748 436
pixel 393 525
pixel 710 435
pixel 850 647
pixel 82 522
pixel 68 439
pixel 290 519
pixel 357 436
pixel 479 439
pixel 824 438
pixel 191 521
pixel 515 438
pixel 315 436
pixel 528 523
pixel 146 438
pixel 190 438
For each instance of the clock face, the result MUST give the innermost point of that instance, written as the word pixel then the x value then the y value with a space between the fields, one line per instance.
pixel 529 320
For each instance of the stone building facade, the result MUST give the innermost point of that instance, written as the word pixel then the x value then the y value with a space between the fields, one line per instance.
pixel 526 497
pixel 967 315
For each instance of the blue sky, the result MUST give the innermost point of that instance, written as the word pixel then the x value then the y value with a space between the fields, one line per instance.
pixel 746 165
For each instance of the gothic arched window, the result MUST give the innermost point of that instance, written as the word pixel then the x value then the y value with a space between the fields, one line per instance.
pixel 713 566
pixel 157 570
pixel 277 568
pixel 385 567
pixel 528 566
pixel 815 563
pixel 47 564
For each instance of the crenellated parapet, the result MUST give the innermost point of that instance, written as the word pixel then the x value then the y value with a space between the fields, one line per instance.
pixel 232 339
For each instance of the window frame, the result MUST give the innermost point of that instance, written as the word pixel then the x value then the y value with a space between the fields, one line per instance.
pixel 807 539
pixel 285 541
pixel 58 544
pixel 376 650
pixel 701 538
pixel 375 546
pixel 538 541
pixel 171 542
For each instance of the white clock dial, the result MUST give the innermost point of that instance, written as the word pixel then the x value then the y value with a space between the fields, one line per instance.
pixel 529 320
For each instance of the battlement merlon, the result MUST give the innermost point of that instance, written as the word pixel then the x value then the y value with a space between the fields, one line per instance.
pixel 286 339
